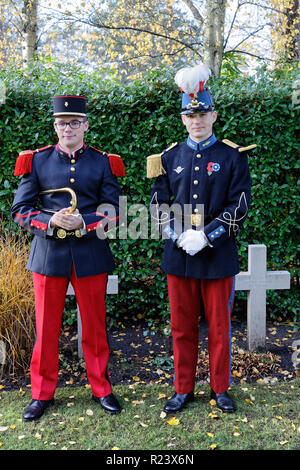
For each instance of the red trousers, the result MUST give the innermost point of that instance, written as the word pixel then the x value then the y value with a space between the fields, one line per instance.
pixel 185 297
pixel 50 294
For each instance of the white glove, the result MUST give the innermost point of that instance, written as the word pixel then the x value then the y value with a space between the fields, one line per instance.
pixel 192 241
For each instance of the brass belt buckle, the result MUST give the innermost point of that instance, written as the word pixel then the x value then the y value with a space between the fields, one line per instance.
pixel 61 233
pixel 196 219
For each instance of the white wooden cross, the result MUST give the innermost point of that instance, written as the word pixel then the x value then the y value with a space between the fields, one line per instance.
pixel 257 281
pixel 111 288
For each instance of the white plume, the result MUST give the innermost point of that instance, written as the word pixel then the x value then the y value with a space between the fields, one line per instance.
pixel 188 78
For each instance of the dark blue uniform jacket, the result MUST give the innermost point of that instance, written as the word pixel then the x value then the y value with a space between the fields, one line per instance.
pixel 89 174
pixel 216 175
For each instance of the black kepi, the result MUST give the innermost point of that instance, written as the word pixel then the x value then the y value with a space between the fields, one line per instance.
pixel 69 105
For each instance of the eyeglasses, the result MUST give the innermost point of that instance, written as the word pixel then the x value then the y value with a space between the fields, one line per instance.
pixel 72 124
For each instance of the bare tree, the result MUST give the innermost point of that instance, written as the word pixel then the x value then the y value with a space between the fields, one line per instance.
pixel 29 30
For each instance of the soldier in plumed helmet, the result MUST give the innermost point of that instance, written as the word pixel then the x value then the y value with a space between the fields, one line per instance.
pixel 206 182
pixel 66 248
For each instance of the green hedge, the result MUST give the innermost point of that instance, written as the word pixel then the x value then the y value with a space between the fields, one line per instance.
pixel 142 118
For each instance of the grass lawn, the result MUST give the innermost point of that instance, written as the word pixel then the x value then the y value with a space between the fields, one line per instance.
pixel 267 418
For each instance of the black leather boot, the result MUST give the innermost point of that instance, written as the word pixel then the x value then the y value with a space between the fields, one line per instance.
pixel 36 409
pixel 224 401
pixel 178 401
pixel 109 403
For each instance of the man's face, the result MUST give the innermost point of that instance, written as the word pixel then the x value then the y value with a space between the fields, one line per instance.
pixel 199 125
pixel 70 138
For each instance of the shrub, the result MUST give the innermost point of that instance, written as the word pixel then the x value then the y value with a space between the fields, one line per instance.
pixel 17 325
pixel 142 118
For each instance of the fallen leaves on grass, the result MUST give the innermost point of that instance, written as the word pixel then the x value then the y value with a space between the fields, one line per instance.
pixel 244 364
pixel 173 421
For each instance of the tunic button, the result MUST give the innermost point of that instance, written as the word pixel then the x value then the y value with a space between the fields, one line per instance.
pixel 72 168
pixel 196 181
pixel 198 155
pixel 196 211
pixel 196 168
pixel 195 196
pixel 72 180
pixel 72 161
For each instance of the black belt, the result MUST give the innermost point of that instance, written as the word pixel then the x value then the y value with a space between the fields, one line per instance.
pixel 61 233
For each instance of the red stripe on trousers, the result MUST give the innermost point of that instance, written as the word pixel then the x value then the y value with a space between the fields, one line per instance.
pixel 185 298
pixel 50 294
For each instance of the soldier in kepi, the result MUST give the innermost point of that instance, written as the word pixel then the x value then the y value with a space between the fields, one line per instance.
pixel 66 248
pixel 208 180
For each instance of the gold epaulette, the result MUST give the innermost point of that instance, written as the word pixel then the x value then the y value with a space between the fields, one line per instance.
pixel 154 164
pixel 236 146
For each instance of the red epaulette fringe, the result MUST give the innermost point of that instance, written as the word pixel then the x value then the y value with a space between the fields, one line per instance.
pixel 24 161
pixel 116 165
pixel 115 161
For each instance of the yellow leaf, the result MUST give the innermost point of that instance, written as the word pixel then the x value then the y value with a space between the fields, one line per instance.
pixel 283 442
pixel 213 402
pixel 173 421
pixel 213 446
pixel 135 378
pixel 210 434
pixel 115 448
pixel 12 426
pixel 161 395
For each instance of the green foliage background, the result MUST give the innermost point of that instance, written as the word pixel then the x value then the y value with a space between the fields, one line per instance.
pixel 142 118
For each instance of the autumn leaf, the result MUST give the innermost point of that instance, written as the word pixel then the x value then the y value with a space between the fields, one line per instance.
pixel 173 421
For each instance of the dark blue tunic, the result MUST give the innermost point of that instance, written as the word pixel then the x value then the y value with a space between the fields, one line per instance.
pixel 217 176
pixel 89 174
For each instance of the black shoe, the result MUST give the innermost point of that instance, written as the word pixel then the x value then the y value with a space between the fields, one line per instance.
pixel 224 401
pixel 36 409
pixel 177 402
pixel 109 403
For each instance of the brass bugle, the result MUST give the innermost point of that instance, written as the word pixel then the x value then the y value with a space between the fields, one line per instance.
pixel 73 201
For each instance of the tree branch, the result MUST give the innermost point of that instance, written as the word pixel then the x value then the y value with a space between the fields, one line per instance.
pixel 251 34
pixel 235 51
pixel 232 23
pixel 195 12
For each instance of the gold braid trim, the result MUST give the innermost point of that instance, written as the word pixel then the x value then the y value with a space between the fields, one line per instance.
pixel 236 146
pixel 154 164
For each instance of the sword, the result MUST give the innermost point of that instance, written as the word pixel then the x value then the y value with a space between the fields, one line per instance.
pixel 62 233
